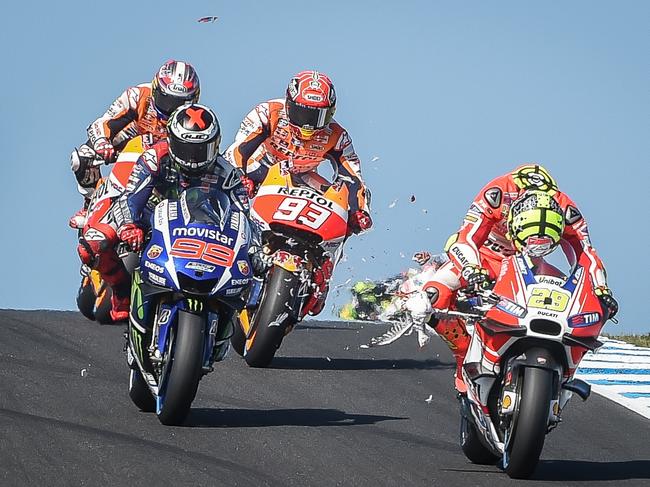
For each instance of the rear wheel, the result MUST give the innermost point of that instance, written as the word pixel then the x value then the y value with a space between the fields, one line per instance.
pixel 273 316
pixel 530 426
pixel 139 392
pixel 184 363
pixel 470 441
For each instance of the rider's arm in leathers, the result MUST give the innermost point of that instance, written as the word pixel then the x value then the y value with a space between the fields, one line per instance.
pixel 124 110
pixel 142 181
pixel 463 247
pixel 257 127
pixel 490 207
pixel 349 170
pixel 576 235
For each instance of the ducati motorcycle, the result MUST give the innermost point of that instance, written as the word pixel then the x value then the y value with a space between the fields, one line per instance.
pixel 94 295
pixel 528 336
pixel 303 226
pixel 192 277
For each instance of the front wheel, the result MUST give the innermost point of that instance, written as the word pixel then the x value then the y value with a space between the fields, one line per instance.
pixel 530 426
pixel 273 316
pixel 103 311
pixel 86 299
pixel 184 359
pixel 238 338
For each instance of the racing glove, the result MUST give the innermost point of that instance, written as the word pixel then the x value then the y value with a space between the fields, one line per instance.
pixel 476 278
pixel 421 257
pixel 132 235
pixel 359 221
pixel 78 220
pixel 607 300
pixel 249 186
pixel 105 150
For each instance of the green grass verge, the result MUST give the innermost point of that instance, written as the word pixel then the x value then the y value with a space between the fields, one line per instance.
pixel 638 340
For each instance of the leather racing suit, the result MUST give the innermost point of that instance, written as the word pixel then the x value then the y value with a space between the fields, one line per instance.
pixel 482 241
pixel 152 179
pixel 265 138
pixel 131 114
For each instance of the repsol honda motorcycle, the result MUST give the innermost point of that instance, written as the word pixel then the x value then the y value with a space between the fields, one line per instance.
pixel 192 275
pixel 303 226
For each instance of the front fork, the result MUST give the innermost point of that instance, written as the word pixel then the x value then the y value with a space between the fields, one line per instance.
pixel 508 403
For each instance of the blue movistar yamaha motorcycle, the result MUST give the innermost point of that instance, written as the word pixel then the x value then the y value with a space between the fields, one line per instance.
pixel 193 275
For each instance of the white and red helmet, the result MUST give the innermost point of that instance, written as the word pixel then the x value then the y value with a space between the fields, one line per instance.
pixel 176 83
pixel 311 102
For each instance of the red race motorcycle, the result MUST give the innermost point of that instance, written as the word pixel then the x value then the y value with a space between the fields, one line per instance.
pixel 94 296
pixel 528 336
pixel 303 219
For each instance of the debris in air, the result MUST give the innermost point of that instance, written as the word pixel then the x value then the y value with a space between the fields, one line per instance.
pixel 207 20
pixel 84 372
pixel 429 399
pixel 412 198
pixel 328 359
pixel 392 205
pixel 374 159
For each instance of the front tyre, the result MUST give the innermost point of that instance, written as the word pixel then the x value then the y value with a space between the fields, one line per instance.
pixel 275 310
pixel 86 299
pixel 103 311
pixel 238 338
pixel 530 427
pixel 185 360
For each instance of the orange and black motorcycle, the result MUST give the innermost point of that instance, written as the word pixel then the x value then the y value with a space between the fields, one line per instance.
pixel 303 223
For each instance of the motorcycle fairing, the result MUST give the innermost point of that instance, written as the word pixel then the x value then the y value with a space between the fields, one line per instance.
pixel 215 258
pixel 280 201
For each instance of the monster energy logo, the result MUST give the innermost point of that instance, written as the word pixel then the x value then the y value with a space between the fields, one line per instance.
pixel 194 305
pixel 136 337
pixel 136 296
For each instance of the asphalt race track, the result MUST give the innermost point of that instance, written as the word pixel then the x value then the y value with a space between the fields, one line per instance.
pixel 326 413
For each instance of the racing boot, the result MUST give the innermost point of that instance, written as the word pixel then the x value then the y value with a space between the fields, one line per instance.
pixel 321 278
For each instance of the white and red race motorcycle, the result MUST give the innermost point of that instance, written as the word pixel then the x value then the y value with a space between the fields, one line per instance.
pixel 528 336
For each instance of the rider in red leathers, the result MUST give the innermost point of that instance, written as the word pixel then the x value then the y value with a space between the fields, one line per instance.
pixel 478 248
pixel 141 109
pixel 299 133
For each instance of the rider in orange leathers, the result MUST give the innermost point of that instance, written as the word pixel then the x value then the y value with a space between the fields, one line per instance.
pixel 143 109
pixel 478 248
pixel 299 133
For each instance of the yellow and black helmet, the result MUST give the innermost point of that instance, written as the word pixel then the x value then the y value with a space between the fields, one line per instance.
pixel 534 176
pixel 535 223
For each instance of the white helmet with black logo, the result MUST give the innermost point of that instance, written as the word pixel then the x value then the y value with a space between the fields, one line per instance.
pixel 194 137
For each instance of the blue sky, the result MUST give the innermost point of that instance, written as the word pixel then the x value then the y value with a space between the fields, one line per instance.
pixel 447 94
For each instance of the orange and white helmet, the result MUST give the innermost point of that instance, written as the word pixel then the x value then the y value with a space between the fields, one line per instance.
pixel 176 83
pixel 311 102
